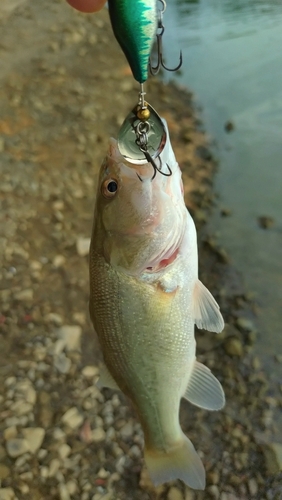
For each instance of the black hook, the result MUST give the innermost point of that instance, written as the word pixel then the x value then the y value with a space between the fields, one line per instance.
pixel 160 62
pixel 154 165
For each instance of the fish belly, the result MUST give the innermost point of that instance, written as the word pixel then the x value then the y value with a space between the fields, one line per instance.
pixel 147 339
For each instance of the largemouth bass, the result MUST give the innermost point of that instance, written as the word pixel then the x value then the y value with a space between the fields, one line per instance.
pixel 145 298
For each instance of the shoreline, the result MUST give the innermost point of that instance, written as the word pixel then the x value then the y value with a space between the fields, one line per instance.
pixel 58 110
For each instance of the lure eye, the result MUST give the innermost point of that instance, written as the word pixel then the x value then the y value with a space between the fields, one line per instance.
pixel 109 188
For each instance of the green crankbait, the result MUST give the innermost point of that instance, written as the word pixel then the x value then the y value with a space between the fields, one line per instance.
pixel 135 23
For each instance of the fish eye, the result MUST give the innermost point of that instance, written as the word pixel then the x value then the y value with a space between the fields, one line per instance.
pixel 109 188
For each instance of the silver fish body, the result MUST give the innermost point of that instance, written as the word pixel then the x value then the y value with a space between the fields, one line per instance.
pixel 145 298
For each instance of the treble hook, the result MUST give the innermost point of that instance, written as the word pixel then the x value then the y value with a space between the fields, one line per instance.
pixel 154 165
pixel 160 62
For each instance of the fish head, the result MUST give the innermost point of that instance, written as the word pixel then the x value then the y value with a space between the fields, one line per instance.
pixel 141 216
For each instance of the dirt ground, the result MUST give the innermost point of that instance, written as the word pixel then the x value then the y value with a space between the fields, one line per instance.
pixel 65 88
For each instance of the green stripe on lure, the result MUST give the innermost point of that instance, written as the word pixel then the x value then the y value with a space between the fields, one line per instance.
pixel 134 24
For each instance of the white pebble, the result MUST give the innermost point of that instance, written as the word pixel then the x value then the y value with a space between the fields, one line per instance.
pixel 72 418
pixel 82 246
pixel 34 437
pixel 98 435
pixel 7 494
pixel 17 447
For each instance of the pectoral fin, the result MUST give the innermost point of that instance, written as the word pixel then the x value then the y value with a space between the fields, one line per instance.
pixel 106 379
pixel 204 390
pixel 206 310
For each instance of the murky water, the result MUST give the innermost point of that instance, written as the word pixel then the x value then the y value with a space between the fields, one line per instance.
pixel 233 63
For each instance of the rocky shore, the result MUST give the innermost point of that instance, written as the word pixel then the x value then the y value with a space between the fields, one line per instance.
pixel 65 89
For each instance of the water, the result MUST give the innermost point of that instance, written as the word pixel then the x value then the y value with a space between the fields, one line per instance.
pixel 233 63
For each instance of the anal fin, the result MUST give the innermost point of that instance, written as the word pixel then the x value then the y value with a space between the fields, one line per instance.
pixel 106 379
pixel 204 390
pixel 206 310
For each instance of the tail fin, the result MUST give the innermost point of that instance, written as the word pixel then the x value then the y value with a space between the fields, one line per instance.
pixel 182 463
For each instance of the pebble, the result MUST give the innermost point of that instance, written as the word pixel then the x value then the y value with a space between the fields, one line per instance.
pixel 17 447
pixel 62 363
pixel 24 295
pixel 265 222
pixel 10 433
pixel 72 418
pixel 7 494
pixel 63 492
pixel 54 466
pixel 64 451
pixel 90 371
pixel 59 261
pixel 71 486
pixel 127 430
pixel 34 437
pixel 252 486
pixel 83 246
pixel 174 494
pixel 71 336
pixel 98 435
pixel 214 491
pixel 233 347
pixel 245 324
pixel 4 472
pixel 273 457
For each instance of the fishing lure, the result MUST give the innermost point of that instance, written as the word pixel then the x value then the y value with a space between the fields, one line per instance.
pixel 135 24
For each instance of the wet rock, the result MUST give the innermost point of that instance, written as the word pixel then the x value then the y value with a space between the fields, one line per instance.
pixel 72 418
pixel 82 246
pixel 233 347
pixel 229 126
pixel 265 222
pixel 34 437
pixel 225 212
pixel 17 447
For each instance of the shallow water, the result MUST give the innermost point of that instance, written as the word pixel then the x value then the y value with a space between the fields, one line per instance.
pixel 233 64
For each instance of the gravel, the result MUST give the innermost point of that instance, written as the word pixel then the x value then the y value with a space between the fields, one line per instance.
pixel 60 436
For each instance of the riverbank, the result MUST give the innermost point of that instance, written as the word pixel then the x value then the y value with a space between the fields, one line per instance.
pixel 65 89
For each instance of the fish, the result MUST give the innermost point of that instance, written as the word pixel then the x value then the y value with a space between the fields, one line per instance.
pixel 145 299
pixel 135 25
